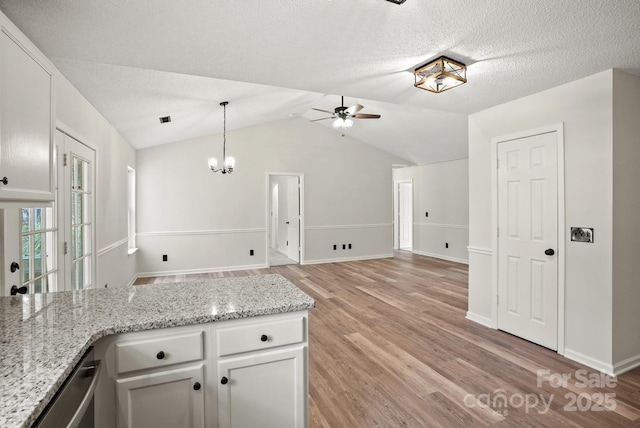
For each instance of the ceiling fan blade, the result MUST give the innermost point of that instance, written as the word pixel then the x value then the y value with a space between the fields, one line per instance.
pixel 366 116
pixel 324 111
pixel 354 109
pixel 324 118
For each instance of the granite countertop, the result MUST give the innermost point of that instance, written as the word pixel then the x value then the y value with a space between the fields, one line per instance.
pixel 43 336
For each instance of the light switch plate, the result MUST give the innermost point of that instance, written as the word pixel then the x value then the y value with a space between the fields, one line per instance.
pixel 582 234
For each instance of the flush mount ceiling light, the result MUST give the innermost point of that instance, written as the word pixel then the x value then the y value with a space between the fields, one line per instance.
pixel 397 1
pixel 440 75
pixel 228 163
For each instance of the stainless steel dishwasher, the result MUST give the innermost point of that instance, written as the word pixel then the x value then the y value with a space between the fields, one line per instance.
pixel 72 406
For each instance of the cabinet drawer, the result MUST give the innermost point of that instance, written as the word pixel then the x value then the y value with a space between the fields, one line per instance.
pixel 245 338
pixel 159 352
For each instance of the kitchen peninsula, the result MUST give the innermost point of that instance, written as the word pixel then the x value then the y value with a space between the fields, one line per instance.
pixel 43 336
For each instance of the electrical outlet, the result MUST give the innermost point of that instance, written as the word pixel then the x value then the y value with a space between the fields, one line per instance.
pixel 164 258
pixel 349 246
pixel 344 246
pixel 446 245
pixel 335 247
pixel 251 252
pixel 426 214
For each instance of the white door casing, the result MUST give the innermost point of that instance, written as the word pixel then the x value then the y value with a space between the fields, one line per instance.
pixel 293 219
pixel 405 215
pixel 76 196
pixel 527 227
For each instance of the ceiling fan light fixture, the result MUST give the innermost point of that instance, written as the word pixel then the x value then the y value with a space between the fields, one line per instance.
pixel 440 75
pixel 343 123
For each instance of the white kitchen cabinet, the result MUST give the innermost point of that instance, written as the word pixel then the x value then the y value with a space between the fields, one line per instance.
pixel 265 389
pixel 149 376
pixel 26 119
pixel 165 399
pixel 262 375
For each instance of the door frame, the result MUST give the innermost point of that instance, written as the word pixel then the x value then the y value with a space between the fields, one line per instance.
pixel 300 176
pixel 60 182
pixel 559 129
pixel 396 213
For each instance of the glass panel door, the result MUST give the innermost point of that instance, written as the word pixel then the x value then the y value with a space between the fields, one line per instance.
pixel 79 244
pixel 81 224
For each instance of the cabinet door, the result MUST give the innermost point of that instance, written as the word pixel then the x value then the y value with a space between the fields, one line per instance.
pixel 263 390
pixel 26 123
pixel 168 399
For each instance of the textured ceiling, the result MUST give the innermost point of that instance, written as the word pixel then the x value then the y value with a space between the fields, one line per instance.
pixel 136 61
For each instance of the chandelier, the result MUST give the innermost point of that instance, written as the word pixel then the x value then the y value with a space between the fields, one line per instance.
pixel 228 163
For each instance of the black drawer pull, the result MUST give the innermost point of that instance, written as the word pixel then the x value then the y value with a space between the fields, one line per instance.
pixel 224 380
pixel 160 355
pixel 264 338
pixel 196 386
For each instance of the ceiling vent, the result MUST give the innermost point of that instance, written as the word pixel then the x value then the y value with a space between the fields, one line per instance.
pixel 165 119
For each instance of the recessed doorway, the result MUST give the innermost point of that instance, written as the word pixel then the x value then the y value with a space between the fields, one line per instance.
pixel 284 219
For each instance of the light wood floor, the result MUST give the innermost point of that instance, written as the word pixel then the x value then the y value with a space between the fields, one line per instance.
pixel 389 346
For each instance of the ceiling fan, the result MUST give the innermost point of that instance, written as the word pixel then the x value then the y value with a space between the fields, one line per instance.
pixel 343 115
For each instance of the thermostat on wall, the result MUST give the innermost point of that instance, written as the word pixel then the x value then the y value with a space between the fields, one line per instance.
pixel 582 234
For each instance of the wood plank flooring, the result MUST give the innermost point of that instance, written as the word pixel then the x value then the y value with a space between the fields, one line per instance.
pixel 389 346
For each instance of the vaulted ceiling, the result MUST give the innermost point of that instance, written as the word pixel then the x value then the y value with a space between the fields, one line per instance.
pixel 138 60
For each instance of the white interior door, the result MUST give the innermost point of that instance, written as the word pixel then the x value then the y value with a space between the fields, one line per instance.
pixel 293 219
pixel 78 203
pixel 405 216
pixel 528 238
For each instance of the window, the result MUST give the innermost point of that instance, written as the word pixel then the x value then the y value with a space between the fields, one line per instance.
pixel 131 209
pixel 38 238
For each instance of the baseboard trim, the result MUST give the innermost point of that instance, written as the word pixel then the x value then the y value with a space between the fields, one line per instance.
pixel 626 365
pixel 440 256
pixel 203 270
pixel 482 320
pixel 589 361
pixel 347 259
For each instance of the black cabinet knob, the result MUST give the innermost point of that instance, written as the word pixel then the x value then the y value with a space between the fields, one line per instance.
pixel 196 386
pixel 264 338
pixel 14 267
pixel 4 181
pixel 549 252
pixel 18 290
pixel 224 380
pixel 160 355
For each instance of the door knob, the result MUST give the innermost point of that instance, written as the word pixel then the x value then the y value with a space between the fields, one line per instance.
pixel 196 386
pixel 549 252
pixel 18 290
pixel 224 380
pixel 14 267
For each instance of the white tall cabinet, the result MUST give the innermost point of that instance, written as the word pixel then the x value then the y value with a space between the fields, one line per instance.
pixel 26 119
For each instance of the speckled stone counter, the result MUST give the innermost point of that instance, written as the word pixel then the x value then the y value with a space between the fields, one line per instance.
pixel 42 337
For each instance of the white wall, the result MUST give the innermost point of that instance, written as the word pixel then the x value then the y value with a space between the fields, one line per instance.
pixel 626 228
pixel 205 221
pixel 79 118
pixel 442 190
pixel 585 108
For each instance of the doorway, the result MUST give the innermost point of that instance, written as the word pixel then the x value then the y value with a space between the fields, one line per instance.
pixel 529 202
pixel 403 215
pixel 284 219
